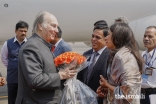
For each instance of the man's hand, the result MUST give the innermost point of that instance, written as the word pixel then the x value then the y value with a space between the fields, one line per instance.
pixel 68 72
pixel 2 81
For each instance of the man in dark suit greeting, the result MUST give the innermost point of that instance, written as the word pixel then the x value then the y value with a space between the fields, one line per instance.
pixel 98 58
pixel 39 80
pixel 60 45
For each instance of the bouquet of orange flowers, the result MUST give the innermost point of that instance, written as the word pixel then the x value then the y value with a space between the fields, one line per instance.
pixel 66 58
pixel 75 92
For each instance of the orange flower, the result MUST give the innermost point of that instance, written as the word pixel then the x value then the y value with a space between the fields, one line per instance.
pixel 68 57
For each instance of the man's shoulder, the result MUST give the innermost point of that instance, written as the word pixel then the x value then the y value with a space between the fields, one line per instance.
pixel 11 39
pixel 144 52
pixel 31 42
pixel 10 42
pixel 106 50
pixel 88 52
pixel 62 42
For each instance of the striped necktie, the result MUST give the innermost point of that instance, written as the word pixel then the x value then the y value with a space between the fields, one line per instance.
pixel 90 68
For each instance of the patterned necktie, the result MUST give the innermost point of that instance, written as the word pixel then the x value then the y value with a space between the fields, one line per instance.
pixel 90 68
pixel 53 48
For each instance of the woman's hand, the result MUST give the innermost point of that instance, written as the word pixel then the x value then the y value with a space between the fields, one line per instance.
pixel 103 82
pixel 101 91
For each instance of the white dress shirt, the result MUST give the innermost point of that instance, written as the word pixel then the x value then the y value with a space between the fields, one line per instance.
pixel 4 51
pixel 149 81
pixel 97 57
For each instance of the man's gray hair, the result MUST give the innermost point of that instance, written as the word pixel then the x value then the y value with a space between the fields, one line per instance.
pixel 40 19
pixel 150 27
pixel 121 19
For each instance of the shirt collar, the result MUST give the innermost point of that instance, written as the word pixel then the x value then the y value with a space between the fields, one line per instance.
pixel 100 51
pixel 149 53
pixel 15 39
pixel 58 42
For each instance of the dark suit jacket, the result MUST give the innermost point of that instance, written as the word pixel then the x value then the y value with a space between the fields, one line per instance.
pixel 39 82
pixel 100 68
pixel 61 48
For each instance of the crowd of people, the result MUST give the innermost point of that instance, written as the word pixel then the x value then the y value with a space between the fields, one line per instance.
pixel 117 71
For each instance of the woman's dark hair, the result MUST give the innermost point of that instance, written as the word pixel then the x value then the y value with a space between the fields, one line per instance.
pixel 122 35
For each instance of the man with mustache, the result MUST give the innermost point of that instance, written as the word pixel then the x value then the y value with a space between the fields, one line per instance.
pixel 149 71
pixel 9 57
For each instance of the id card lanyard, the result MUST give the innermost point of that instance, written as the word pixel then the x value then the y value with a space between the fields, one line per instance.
pixel 148 63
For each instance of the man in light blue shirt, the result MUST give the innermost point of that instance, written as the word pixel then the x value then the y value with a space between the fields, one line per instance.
pixel 149 71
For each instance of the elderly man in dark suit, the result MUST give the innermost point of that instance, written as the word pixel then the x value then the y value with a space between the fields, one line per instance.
pixel 39 80
pixel 59 45
pixel 98 58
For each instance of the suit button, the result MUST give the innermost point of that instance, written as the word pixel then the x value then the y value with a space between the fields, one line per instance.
pixel 33 89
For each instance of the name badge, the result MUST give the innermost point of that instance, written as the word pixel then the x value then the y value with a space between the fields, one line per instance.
pixel 148 71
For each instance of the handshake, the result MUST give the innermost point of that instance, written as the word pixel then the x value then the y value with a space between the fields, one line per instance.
pixel 2 80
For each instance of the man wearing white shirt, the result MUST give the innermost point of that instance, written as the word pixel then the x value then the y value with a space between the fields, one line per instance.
pixel 9 57
pixel 98 59
pixel 149 71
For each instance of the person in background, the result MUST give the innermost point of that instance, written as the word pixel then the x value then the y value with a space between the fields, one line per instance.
pixel 97 58
pixel 149 71
pixel 121 19
pixel 101 22
pixel 40 82
pixel 9 57
pixel 59 45
pixel 124 71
